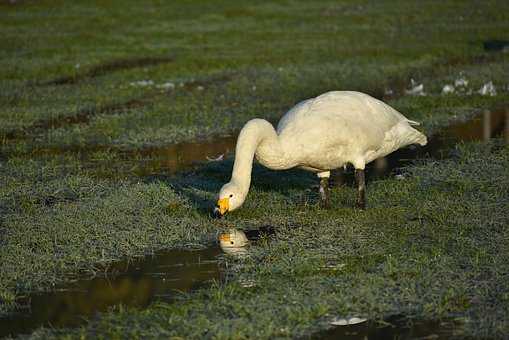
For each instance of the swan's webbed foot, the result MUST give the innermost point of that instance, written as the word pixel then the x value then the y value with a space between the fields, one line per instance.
pixel 324 192
pixel 361 188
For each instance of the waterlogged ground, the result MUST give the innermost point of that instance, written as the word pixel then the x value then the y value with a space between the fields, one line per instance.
pixel 101 105
pixel 163 276
pixel 429 247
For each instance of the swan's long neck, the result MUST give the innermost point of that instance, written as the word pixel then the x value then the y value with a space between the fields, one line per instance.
pixel 256 137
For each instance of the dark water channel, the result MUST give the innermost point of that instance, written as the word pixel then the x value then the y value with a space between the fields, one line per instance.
pixel 135 283
pixel 139 282
pixel 146 162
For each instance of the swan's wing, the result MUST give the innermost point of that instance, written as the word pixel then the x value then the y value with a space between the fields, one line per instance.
pixel 368 119
pixel 344 105
pixel 336 119
pixel 341 109
pixel 356 105
pixel 293 113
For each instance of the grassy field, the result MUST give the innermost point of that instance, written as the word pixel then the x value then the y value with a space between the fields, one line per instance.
pixel 431 246
pixel 92 81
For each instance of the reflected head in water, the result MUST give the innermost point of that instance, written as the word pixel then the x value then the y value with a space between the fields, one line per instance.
pixel 233 242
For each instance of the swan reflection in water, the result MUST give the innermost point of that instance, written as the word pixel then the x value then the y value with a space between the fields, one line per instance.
pixel 234 242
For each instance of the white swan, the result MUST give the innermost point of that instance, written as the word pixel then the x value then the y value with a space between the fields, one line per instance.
pixel 319 134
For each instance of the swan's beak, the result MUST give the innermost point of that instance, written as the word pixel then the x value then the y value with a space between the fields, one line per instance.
pixel 222 207
pixel 225 237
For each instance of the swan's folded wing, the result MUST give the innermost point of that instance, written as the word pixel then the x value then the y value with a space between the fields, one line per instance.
pixel 292 114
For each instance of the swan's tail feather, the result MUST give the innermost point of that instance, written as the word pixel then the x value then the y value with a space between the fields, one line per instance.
pixel 400 136
pixel 422 140
pixel 417 137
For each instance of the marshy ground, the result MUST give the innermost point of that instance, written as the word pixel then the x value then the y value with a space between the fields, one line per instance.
pixel 108 114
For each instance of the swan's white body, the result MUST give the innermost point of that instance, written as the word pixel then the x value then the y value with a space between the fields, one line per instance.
pixel 320 134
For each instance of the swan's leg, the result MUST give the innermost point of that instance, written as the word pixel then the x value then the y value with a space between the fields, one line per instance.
pixel 361 187
pixel 324 188
pixel 324 192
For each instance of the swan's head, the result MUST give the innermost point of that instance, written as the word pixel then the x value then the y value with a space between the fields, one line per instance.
pixel 230 198
pixel 234 242
pixel 233 239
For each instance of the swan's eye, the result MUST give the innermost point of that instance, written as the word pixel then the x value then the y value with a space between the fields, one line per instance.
pixel 231 242
pixel 231 195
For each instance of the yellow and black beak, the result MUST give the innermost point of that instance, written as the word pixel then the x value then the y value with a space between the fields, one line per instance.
pixel 222 207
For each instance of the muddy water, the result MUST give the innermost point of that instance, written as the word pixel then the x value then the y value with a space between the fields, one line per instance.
pixel 136 283
pixel 163 276
pixel 394 328
pixel 157 161
pixel 139 282
pixel 181 157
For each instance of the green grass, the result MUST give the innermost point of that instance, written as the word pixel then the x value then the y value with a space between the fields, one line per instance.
pixel 429 246
pixel 289 51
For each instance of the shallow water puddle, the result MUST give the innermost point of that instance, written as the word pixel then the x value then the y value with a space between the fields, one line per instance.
pixel 135 283
pixel 394 328
pixel 156 161
pixel 163 276
pixel 182 156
